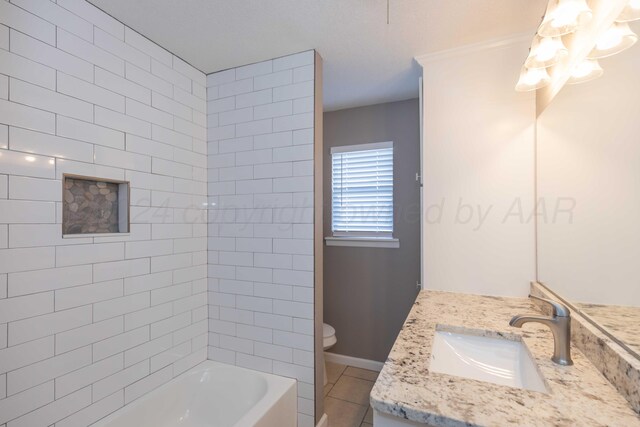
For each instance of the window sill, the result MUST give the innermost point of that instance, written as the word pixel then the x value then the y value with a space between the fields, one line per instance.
pixel 363 242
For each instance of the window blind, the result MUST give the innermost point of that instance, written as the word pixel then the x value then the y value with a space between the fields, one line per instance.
pixel 362 190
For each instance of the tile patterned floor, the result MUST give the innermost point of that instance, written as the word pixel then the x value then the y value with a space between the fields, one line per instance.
pixel 346 396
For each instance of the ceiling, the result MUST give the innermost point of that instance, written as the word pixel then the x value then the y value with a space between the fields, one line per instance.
pixel 366 60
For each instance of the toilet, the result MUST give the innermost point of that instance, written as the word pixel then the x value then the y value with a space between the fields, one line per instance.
pixel 328 340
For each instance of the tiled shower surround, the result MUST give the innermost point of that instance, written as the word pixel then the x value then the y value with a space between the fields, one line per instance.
pixel 261 266
pixel 89 324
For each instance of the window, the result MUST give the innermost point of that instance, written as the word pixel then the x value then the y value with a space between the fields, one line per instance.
pixel 362 193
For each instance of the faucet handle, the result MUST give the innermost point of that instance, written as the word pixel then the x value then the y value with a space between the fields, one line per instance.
pixel 559 309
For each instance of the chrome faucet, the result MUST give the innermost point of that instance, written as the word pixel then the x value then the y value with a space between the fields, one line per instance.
pixel 560 325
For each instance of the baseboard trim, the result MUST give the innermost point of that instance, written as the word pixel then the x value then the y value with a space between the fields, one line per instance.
pixel 324 421
pixel 356 362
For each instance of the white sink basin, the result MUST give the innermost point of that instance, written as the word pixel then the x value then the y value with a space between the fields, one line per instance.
pixel 493 360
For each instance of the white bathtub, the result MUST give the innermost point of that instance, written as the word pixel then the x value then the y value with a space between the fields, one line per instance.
pixel 213 395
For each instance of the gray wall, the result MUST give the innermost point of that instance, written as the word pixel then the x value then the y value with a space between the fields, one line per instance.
pixel 368 292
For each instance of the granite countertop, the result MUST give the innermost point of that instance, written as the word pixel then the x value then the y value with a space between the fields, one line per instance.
pixel 578 395
pixel 621 322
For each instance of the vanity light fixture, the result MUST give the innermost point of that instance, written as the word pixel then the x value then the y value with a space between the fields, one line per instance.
pixel 590 34
pixel 532 79
pixel 631 11
pixel 617 38
pixel 547 49
pixel 588 69
pixel 545 52
pixel 564 17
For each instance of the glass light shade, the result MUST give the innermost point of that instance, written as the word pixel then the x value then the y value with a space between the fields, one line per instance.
pixel 532 79
pixel 545 52
pixel 631 12
pixel 616 39
pixel 564 17
pixel 588 69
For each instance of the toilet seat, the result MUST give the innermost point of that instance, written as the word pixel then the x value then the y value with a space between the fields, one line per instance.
pixel 328 335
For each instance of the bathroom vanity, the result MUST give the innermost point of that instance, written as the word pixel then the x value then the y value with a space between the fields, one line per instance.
pixel 584 214
pixel 409 393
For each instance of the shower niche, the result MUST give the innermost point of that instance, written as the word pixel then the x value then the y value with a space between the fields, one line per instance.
pixel 94 206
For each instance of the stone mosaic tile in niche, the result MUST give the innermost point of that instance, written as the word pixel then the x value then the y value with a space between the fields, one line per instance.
pixel 89 207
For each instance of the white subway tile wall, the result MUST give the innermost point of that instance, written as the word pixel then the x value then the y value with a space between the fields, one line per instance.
pixel 260 151
pixel 89 324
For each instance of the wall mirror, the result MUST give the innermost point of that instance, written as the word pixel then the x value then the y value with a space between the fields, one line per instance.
pixel 588 191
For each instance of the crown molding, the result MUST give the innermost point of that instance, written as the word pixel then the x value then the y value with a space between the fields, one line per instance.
pixel 475 47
